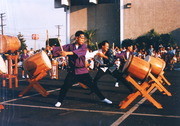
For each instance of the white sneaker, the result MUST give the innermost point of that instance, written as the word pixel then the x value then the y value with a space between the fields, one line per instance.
pixel 139 82
pixel 116 84
pixel 77 84
pixel 27 76
pixel 107 101
pixel 23 77
pixel 58 104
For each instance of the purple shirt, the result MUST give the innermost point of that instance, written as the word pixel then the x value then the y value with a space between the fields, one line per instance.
pixel 76 61
pixel 123 55
pixel 24 56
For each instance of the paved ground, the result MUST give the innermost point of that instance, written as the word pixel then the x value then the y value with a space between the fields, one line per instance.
pixel 81 109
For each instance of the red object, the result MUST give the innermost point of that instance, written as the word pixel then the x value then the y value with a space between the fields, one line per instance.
pixel 35 36
pixel 1 107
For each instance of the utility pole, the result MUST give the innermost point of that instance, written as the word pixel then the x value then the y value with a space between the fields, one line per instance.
pixel 58 27
pixel 2 25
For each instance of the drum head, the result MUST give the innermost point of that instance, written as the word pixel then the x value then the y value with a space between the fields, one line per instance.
pixel 46 59
pixel 126 65
pixel 163 62
pixel 3 68
pixel 158 64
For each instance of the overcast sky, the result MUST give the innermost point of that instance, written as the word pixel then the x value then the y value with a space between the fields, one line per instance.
pixel 33 17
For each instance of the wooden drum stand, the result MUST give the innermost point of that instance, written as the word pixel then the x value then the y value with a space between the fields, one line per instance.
pixel 12 61
pixel 137 68
pixel 35 84
pixel 36 66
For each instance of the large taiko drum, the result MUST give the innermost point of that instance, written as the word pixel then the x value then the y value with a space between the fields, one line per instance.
pixel 3 68
pixel 157 64
pixel 137 67
pixel 9 43
pixel 37 63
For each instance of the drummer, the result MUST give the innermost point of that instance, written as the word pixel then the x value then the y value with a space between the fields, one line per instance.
pixel 125 54
pixel 108 65
pixel 77 72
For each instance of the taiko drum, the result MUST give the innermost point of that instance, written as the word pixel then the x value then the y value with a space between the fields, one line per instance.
pixel 9 43
pixel 54 62
pixel 157 64
pixel 137 67
pixel 37 63
pixel 3 68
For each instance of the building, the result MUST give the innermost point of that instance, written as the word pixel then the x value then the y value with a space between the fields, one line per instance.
pixel 116 20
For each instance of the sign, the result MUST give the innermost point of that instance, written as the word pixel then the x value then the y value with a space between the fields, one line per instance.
pixel 65 2
pixel 35 36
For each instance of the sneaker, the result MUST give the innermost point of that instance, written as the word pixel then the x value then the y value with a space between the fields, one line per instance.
pixel 107 101
pixel 23 77
pixel 77 84
pixel 27 76
pixel 58 104
pixel 117 84
pixel 139 82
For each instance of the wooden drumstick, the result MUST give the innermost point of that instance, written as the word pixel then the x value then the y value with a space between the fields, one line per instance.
pixel 47 35
pixel 97 45
pixel 60 44
pixel 124 58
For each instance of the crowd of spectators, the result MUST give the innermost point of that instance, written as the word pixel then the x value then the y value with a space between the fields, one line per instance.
pixel 170 55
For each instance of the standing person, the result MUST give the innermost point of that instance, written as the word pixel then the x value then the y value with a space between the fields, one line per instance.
pixel 24 56
pixel 31 52
pixel 108 66
pixel 77 71
pixel 150 50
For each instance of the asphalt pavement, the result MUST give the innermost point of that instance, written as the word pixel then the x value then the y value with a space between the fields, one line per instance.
pixel 81 109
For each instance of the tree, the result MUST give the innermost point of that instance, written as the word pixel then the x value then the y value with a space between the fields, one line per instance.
pixel 150 38
pixel 155 39
pixel 167 40
pixel 22 40
pixel 127 42
pixel 89 35
pixel 141 42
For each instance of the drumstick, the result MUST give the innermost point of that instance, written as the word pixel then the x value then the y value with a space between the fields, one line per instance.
pixel 97 45
pixel 47 37
pixel 60 44
pixel 124 58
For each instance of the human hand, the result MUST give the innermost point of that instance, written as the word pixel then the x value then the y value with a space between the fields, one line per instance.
pixel 63 53
pixel 100 54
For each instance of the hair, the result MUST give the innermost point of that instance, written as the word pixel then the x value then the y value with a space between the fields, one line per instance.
pixel 102 43
pixel 78 33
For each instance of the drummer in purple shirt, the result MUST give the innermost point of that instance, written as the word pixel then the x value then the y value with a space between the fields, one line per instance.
pixel 77 72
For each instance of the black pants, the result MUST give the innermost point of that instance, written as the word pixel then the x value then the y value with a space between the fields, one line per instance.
pixel 116 74
pixel 71 79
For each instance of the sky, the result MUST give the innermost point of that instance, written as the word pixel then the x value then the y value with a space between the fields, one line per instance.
pixel 33 17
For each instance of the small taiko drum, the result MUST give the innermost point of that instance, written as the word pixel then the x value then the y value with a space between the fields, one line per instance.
pixel 37 63
pixel 137 67
pixel 9 43
pixel 157 64
pixel 3 68
pixel 54 62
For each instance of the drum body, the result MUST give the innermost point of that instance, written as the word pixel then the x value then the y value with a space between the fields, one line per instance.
pixel 54 62
pixel 157 64
pixel 9 43
pixel 3 68
pixel 37 63
pixel 137 67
